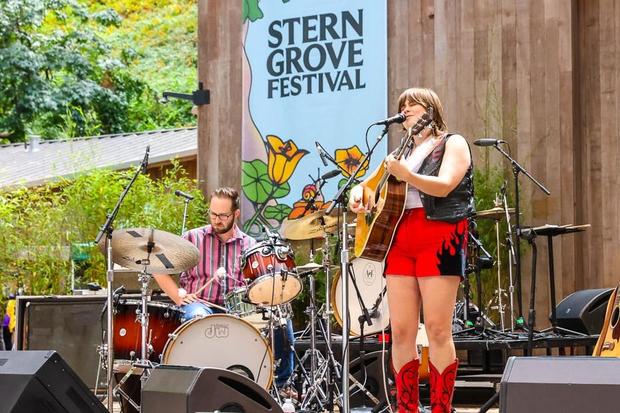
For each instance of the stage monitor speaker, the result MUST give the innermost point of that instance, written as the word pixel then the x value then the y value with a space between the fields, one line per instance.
pixel 172 389
pixel 40 381
pixel 584 311
pixel 560 384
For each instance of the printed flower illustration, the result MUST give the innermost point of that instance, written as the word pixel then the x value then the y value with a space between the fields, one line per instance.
pixel 282 159
pixel 301 209
pixel 348 160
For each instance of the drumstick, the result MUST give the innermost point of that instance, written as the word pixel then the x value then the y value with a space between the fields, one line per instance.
pixel 210 304
pixel 220 273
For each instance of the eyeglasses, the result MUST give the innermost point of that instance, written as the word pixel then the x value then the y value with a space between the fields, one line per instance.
pixel 223 217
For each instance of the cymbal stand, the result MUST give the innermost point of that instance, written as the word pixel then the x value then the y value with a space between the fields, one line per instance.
pixel 511 256
pixel 107 230
pixel 327 316
pixel 145 345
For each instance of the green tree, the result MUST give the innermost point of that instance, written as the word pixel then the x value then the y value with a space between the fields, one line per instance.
pixel 57 75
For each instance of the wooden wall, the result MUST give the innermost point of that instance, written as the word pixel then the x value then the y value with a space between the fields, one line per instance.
pixel 542 75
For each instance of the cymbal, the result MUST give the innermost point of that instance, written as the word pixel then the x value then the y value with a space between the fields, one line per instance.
pixel 309 226
pixel 308 268
pixel 494 213
pixel 170 254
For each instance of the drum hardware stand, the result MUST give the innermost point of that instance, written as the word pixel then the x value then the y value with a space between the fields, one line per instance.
pixel 107 230
pixel 516 169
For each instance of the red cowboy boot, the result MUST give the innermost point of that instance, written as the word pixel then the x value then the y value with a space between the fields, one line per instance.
pixel 407 387
pixel 442 387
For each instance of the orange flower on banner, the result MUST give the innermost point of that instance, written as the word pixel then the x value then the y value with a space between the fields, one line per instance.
pixel 282 159
pixel 299 207
pixel 349 159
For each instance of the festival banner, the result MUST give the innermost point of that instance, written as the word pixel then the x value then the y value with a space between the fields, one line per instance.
pixel 313 71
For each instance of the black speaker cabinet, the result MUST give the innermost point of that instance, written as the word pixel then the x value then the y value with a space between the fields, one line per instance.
pixel 71 325
pixel 368 372
pixel 560 384
pixel 40 381
pixel 584 311
pixel 182 389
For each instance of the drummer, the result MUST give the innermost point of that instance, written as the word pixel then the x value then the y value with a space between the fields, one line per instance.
pixel 220 245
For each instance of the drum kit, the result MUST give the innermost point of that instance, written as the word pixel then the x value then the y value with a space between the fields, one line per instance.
pixel 147 332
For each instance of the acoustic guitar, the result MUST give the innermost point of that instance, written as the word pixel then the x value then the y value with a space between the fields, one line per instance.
pixel 374 230
pixel 608 344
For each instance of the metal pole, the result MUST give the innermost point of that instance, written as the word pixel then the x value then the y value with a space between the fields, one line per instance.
pixel 344 264
pixel 110 331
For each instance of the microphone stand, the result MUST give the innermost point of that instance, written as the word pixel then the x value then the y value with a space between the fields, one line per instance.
pixel 341 198
pixel 107 230
pixel 516 169
pixel 184 215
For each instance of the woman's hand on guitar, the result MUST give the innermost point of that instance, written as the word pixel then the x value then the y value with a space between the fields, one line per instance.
pixel 356 200
pixel 396 167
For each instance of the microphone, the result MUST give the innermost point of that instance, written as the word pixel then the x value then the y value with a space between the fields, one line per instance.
pixel 182 194
pixel 145 161
pixel 488 142
pixel 322 153
pixel 399 118
pixel 330 174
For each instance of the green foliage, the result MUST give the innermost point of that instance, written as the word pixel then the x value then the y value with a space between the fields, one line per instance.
pixel 75 68
pixel 53 65
pixel 41 225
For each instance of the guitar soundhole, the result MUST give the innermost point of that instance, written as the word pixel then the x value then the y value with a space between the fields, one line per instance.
pixel 614 317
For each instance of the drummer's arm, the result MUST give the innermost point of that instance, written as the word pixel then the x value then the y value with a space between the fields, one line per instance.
pixel 169 286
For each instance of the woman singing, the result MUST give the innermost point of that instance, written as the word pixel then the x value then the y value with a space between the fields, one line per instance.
pixel 427 258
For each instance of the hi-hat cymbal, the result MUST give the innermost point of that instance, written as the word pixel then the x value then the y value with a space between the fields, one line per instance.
pixel 169 253
pixel 494 213
pixel 309 226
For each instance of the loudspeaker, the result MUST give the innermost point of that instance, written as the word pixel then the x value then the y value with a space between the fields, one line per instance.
pixel 584 311
pixel 560 384
pixel 368 371
pixel 71 325
pixel 189 389
pixel 40 381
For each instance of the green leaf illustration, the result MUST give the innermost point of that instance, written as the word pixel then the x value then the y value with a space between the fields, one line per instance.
pixel 257 186
pixel 277 212
pixel 251 10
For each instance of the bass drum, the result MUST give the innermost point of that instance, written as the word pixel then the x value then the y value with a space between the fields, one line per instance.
pixel 222 341
pixel 369 277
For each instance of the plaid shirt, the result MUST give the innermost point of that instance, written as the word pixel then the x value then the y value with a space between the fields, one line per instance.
pixel 215 253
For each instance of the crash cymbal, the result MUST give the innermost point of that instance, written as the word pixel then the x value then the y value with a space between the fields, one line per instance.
pixel 170 254
pixel 309 226
pixel 494 213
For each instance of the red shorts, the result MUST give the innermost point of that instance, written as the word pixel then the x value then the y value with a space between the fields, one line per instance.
pixel 423 248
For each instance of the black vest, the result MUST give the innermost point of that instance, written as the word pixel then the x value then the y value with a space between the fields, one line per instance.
pixel 459 203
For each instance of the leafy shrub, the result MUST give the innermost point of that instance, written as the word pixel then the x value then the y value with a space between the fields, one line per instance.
pixel 40 225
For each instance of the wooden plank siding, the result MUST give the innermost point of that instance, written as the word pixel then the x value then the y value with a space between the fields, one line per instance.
pixel 542 75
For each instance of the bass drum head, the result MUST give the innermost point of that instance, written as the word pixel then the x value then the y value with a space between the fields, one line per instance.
pixel 369 277
pixel 221 341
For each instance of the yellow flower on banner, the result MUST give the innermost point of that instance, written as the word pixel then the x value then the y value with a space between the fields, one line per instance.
pixel 349 159
pixel 282 158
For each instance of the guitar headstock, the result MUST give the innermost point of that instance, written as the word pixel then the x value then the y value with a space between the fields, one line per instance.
pixel 422 122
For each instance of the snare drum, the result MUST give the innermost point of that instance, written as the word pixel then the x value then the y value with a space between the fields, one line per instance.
pixel 163 319
pixel 222 341
pixel 268 267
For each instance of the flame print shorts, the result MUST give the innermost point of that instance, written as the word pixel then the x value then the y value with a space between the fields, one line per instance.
pixel 424 248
